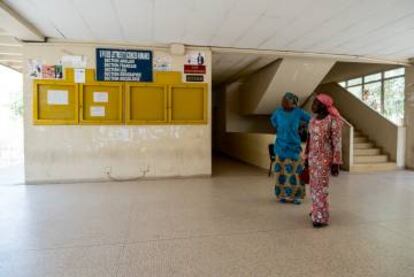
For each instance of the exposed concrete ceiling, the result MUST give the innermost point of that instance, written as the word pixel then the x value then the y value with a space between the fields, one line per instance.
pixel 348 70
pixel 10 51
pixel 371 28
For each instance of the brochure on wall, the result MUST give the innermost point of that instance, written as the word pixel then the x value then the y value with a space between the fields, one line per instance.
pixel 35 69
pixel 74 61
pixel 80 75
pixel 57 97
pixel 52 72
pixel 123 65
pixel 100 97
pixel 162 62
pixel 195 63
pixel 97 111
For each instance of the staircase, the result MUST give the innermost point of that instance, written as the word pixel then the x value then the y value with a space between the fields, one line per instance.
pixel 367 157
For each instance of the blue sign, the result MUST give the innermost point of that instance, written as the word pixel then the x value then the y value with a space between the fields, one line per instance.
pixel 123 65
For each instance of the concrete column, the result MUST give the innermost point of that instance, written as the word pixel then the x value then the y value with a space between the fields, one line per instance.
pixel 409 116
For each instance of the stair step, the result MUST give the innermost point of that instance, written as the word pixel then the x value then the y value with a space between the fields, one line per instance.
pixel 360 139
pixel 371 159
pixel 363 145
pixel 367 152
pixel 372 167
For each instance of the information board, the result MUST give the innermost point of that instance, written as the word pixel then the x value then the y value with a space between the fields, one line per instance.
pixel 123 65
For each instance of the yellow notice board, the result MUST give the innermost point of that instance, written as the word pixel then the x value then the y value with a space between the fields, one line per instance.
pixel 146 104
pixel 55 102
pixel 188 104
pixel 101 103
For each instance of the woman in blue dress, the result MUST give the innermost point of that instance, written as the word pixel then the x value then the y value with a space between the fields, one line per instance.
pixel 289 166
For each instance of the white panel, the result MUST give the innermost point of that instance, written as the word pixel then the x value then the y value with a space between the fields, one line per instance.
pixel 28 10
pixel 314 17
pixel 348 19
pixel 65 17
pixel 249 7
pixel 103 24
pixel 136 19
pixel 232 28
pixel 379 22
pixel 263 29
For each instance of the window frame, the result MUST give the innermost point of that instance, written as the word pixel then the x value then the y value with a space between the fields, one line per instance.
pixel 382 80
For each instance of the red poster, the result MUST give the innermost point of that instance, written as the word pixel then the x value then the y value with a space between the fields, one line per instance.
pixel 194 69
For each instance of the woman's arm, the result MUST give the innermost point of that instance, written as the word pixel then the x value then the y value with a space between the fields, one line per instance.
pixel 273 119
pixel 336 139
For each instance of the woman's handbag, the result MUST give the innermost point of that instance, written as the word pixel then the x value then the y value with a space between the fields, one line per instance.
pixel 304 176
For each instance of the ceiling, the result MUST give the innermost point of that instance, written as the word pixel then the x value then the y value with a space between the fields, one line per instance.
pixel 370 28
pixel 11 54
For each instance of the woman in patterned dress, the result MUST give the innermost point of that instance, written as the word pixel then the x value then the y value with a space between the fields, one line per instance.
pixel 323 153
pixel 288 164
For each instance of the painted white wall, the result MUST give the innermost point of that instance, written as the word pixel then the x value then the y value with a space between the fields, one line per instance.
pixel 79 153
pixel 409 116
pixel 379 129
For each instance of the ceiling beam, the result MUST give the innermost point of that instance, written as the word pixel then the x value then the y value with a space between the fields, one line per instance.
pixel 9 41
pixel 11 51
pixel 17 26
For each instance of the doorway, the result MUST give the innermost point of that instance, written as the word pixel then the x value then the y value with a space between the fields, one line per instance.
pixel 11 127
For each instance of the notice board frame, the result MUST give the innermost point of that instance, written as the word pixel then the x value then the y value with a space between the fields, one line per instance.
pixel 205 104
pixel 101 121
pixel 35 103
pixel 128 104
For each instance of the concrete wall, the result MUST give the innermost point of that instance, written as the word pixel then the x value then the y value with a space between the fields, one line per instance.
pixel 383 132
pixel 264 90
pixel 76 153
pixel 409 115
pixel 345 70
pixel 251 148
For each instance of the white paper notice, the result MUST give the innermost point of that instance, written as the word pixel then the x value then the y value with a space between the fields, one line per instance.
pixel 57 97
pixel 97 111
pixel 80 75
pixel 100 97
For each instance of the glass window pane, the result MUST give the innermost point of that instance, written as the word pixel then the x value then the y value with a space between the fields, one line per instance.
pixel 353 82
pixel 372 77
pixel 394 99
pixel 394 72
pixel 342 84
pixel 357 91
pixel 372 95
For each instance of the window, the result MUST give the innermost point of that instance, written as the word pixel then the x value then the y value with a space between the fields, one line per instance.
pixel 383 92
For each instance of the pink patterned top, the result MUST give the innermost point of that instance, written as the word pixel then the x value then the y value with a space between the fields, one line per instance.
pixel 325 141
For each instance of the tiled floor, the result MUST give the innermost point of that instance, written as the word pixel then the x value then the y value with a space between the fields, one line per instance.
pixel 228 225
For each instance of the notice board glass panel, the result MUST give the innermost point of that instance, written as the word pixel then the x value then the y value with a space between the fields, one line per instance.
pixel 101 103
pixel 55 102
pixel 188 104
pixel 146 104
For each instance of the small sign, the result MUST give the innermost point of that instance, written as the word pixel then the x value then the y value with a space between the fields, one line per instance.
pixel 97 111
pixel 194 78
pixel 100 97
pixel 57 97
pixel 194 69
pixel 123 65
pixel 80 75
pixel 162 63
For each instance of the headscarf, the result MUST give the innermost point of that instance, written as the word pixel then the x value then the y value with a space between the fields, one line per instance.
pixel 291 98
pixel 329 104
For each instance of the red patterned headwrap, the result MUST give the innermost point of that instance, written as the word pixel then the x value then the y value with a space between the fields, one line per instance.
pixel 329 103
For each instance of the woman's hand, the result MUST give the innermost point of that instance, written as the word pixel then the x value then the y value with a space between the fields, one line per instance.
pixel 335 170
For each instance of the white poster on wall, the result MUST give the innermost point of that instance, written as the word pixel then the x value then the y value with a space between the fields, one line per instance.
pixel 195 58
pixel 162 62
pixel 97 111
pixel 100 97
pixel 75 61
pixel 80 75
pixel 57 97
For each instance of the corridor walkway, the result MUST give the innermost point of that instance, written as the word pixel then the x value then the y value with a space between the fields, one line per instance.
pixel 228 225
